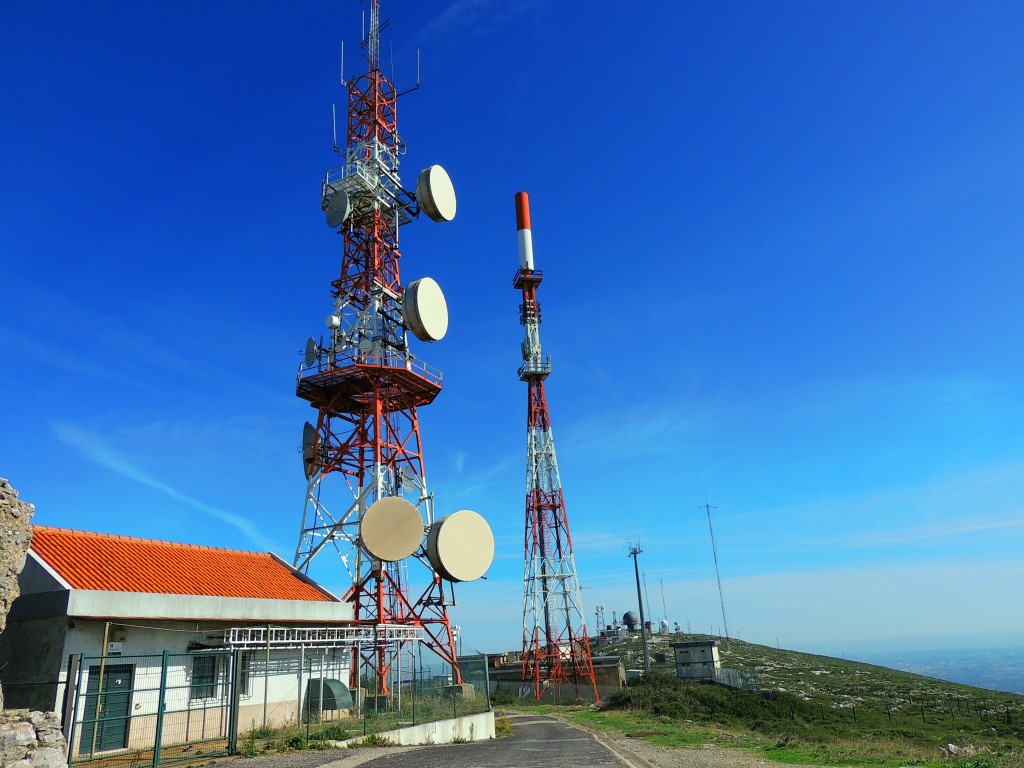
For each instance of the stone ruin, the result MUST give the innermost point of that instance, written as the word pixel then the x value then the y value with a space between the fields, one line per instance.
pixel 27 739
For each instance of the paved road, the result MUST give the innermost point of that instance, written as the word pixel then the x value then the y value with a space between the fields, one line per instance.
pixel 536 742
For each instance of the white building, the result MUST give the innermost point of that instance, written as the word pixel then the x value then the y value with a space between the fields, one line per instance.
pixel 177 625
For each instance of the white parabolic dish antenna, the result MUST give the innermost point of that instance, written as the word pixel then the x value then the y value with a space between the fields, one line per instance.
pixel 424 310
pixel 391 529
pixel 338 209
pixel 435 193
pixel 460 546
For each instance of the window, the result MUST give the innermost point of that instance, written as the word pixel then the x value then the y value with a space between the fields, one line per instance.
pixel 243 673
pixel 204 677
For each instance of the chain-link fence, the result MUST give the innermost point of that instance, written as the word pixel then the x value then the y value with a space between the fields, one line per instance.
pixel 149 710
pixel 152 709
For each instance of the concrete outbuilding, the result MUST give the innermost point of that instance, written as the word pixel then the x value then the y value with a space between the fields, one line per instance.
pixel 697 659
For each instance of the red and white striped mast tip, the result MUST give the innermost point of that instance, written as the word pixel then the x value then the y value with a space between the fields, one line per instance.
pixel 525 233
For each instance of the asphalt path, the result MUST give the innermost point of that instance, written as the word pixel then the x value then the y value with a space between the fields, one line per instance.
pixel 536 742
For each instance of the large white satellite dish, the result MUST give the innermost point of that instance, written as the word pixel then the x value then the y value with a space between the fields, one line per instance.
pixel 391 529
pixel 460 547
pixel 424 310
pixel 338 209
pixel 435 193
pixel 312 350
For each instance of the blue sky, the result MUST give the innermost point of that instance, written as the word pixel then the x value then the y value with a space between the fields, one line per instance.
pixel 782 254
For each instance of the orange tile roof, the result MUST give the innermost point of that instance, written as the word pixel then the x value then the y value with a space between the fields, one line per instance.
pixel 111 563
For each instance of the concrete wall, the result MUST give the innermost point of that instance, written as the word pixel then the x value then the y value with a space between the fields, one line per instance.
pixel 470 728
pixel 31 653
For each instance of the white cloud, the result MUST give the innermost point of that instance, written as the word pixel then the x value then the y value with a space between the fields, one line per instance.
pixel 97 450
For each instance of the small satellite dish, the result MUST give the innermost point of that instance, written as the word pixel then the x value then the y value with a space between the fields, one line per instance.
pixel 391 529
pixel 338 209
pixel 366 346
pixel 332 322
pixel 408 482
pixel 308 448
pixel 435 193
pixel 460 547
pixel 312 350
pixel 424 310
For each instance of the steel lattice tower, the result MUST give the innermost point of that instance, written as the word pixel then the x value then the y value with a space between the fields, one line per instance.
pixel 366 385
pixel 556 649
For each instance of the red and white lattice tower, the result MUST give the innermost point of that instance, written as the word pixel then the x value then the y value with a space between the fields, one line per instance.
pixel 366 384
pixel 556 649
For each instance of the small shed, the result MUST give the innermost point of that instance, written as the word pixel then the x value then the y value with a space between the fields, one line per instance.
pixel 697 659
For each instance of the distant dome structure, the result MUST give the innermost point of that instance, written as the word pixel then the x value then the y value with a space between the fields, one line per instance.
pixel 664 626
pixel 631 620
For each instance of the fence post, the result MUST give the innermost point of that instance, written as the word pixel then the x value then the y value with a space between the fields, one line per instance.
pixel 70 697
pixel 73 700
pixel 487 681
pixel 234 700
pixel 159 737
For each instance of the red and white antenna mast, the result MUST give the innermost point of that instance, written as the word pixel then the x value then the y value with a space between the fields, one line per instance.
pixel 366 496
pixel 556 649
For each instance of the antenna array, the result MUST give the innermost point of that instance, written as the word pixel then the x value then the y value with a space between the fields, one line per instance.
pixel 367 497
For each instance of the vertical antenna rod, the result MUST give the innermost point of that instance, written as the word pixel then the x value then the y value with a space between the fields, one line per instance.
pixel 714 552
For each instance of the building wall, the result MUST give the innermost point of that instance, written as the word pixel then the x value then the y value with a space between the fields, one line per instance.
pixel 31 653
pixel 696 660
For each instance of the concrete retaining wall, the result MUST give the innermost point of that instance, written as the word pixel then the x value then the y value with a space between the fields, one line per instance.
pixel 469 728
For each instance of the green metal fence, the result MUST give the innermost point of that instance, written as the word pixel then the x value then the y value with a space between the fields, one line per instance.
pixel 149 710
pixel 153 709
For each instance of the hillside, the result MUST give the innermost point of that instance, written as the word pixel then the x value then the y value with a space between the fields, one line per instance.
pixel 802 701
pixel 837 683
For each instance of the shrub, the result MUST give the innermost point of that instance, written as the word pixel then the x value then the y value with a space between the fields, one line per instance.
pixel 373 740
pixel 502 727
pixel 263 732
pixel 333 732
pixel 502 697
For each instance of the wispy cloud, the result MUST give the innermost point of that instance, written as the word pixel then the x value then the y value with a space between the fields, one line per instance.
pixel 473 17
pixel 97 450
pixel 466 486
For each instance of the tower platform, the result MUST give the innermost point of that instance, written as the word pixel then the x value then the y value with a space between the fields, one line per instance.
pixel 351 387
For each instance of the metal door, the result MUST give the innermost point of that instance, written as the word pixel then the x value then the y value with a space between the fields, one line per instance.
pixel 110 729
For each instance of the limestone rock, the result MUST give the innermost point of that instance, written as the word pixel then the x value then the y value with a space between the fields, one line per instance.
pixel 27 739
pixel 48 757
pixel 15 536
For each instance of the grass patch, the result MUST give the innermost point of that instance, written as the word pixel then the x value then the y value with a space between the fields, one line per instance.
pixel 502 727
pixel 372 740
